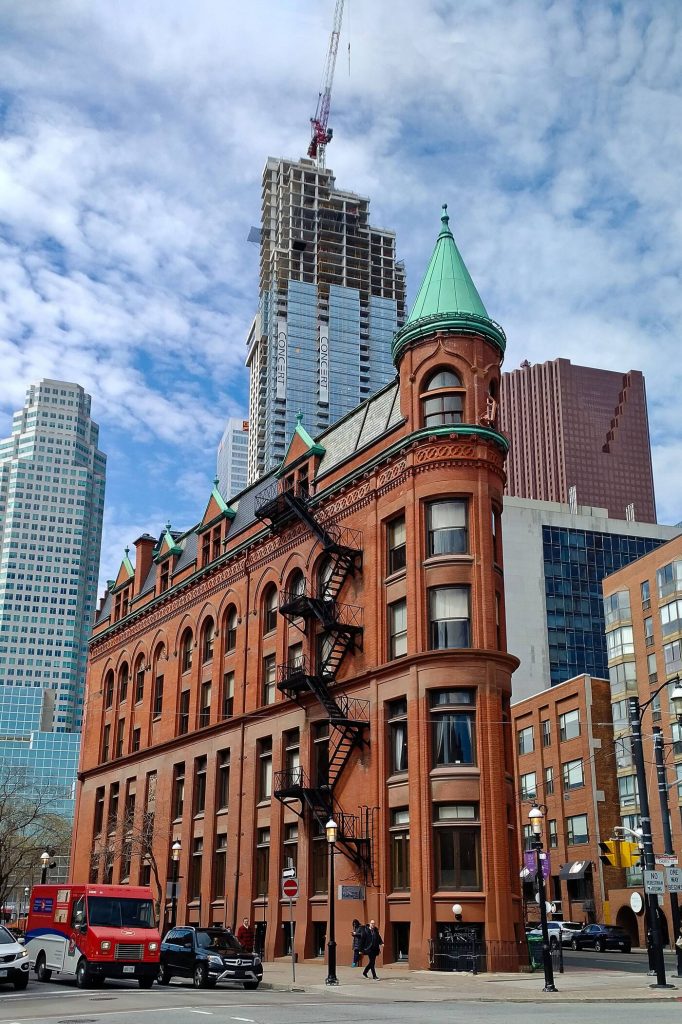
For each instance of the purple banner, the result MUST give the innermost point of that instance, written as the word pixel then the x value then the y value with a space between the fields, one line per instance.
pixel 530 862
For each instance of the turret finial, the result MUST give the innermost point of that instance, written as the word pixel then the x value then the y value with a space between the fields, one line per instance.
pixel 444 219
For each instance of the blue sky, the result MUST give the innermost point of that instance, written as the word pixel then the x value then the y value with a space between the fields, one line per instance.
pixel 132 141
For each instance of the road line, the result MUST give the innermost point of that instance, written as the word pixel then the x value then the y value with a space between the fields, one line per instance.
pixel 207 1013
pixel 249 1020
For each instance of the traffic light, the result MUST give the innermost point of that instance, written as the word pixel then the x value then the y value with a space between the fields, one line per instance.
pixel 610 853
pixel 630 854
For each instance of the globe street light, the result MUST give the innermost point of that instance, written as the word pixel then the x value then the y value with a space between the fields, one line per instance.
pixel 536 815
pixel 175 855
pixel 44 861
pixel 331 829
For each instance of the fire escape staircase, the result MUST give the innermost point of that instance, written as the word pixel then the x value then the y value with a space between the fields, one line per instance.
pixel 340 633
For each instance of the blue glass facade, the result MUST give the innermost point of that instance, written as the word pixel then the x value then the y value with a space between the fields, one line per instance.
pixel 575 563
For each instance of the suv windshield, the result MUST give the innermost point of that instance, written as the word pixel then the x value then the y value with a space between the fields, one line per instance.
pixel 6 938
pixel 120 913
pixel 223 942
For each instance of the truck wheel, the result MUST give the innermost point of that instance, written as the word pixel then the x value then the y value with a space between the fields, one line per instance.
pixel 42 972
pixel 21 980
pixel 146 981
pixel 82 973
pixel 200 977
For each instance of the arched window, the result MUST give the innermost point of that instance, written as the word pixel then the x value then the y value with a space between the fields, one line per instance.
pixel 207 637
pixel 270 607
pixel 230 629
pixel 324 579
pixel 296 584
pixel 139 678
pixel 123 676
pixel 109 689
pixel 186 646
pixel 443 399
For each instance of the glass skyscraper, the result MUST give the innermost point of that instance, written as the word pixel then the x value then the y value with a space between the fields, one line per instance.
pixel 52 478
pixel 233 458
pixel 332 295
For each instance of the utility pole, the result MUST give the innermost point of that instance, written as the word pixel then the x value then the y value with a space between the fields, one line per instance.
pixel 634 715
pixel 667 834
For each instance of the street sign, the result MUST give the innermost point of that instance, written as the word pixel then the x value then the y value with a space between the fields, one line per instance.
pixel 673 877
pixel 289 873
pixel 654 883
pixel 351 892
pixel 290 888
pixel 666 860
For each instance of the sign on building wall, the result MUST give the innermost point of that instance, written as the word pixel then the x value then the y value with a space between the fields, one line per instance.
pixel 281 358
pixel 351 892
pixel 324 363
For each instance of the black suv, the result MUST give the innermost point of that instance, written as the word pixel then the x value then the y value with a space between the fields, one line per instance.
pixel 600 937
pixel 207 956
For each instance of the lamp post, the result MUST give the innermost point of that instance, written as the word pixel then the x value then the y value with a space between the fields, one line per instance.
pixel 667 834
pixel 331 828
pixel 175 854
pixel 536 815
pixel 26 895
pixel 44 861
pixel 635 715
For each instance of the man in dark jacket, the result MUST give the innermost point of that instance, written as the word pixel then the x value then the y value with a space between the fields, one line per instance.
pixel 371 947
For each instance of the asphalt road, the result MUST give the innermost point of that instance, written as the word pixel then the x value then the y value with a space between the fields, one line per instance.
pixel 632 963
pixel 119 1004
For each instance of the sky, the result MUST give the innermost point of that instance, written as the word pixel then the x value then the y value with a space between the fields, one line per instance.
pixel 132 142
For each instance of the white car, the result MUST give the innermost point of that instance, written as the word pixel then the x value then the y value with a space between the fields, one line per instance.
pixel 559 932
pixel 13 960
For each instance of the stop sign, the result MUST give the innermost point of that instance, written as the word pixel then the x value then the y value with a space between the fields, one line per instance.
pixel 290 888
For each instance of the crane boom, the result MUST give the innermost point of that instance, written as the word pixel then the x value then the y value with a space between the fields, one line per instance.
pixel 321 132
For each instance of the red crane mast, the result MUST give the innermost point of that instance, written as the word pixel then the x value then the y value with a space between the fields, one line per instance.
pixel 321 132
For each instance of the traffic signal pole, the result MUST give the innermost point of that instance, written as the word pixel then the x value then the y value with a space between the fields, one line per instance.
pixel 667 834
pixel 647 840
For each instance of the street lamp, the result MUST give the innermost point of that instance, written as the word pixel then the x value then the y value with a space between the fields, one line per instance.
pixel 536 815
pixel 44 861
pixel 331 829
pixel 457 911
pixel 175 855
pixel 635 715
pixel 26 895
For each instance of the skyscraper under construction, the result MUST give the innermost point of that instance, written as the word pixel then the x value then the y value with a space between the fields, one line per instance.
pixel 332 295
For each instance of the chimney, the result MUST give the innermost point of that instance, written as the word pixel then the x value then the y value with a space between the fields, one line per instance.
pixel 144 547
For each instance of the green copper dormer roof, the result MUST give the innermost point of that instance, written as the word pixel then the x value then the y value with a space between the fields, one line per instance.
pixel 216 509
pixel 292 456
pixel 167 545
pixel 447 298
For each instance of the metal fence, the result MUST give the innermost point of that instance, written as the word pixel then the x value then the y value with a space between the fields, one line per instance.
pixel 463 950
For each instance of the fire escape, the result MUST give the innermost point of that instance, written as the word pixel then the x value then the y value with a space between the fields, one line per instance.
pixel 337 628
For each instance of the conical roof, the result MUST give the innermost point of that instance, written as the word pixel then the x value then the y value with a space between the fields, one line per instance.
pixel 447 298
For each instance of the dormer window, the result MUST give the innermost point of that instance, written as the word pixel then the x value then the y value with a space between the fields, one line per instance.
pixel 164 580
pixel 443 400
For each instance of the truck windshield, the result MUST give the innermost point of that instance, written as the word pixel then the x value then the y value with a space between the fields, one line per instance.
pixel 110 912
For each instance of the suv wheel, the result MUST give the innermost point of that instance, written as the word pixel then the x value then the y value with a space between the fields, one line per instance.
pixel 200 977
pixel 251 984
pixel 553 942
pixel 574 944
pixel 21 980
pixel 598 946
pixel 164 975
pixel 627 948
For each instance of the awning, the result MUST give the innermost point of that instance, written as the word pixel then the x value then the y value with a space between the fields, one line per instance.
pixel 575 869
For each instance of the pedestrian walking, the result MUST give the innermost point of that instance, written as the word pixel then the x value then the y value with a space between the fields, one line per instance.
pixel 357 942
pixel 245 935
pixel 371 945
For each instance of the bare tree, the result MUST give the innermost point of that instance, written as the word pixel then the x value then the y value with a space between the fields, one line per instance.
pixel 136 837
pixel 28 826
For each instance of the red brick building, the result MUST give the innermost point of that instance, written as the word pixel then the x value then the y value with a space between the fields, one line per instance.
pixel 565 759
pixel 577 426
pixel 333 643
pixel 643 613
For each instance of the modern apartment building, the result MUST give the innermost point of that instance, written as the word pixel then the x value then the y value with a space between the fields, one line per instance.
pixel 576 427
pixel 233 458
pixel 555 560
pixel 643 612
pixel 332 295
pixel 334 644
pixel 565 759
pixel 52 478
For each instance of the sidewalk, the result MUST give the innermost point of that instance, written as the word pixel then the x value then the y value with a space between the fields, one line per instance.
pixel 397 983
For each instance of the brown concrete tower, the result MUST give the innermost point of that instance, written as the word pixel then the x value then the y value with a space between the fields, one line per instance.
pixel 576 426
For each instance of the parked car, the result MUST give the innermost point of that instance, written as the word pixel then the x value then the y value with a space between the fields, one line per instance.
pixel 13 960
pixel 559 932
pixel 600 937
pixel 207 956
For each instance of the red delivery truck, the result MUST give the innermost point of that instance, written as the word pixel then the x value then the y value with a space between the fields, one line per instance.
pixel 93 932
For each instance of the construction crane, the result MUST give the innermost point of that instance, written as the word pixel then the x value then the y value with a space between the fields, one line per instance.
pixel 321 132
